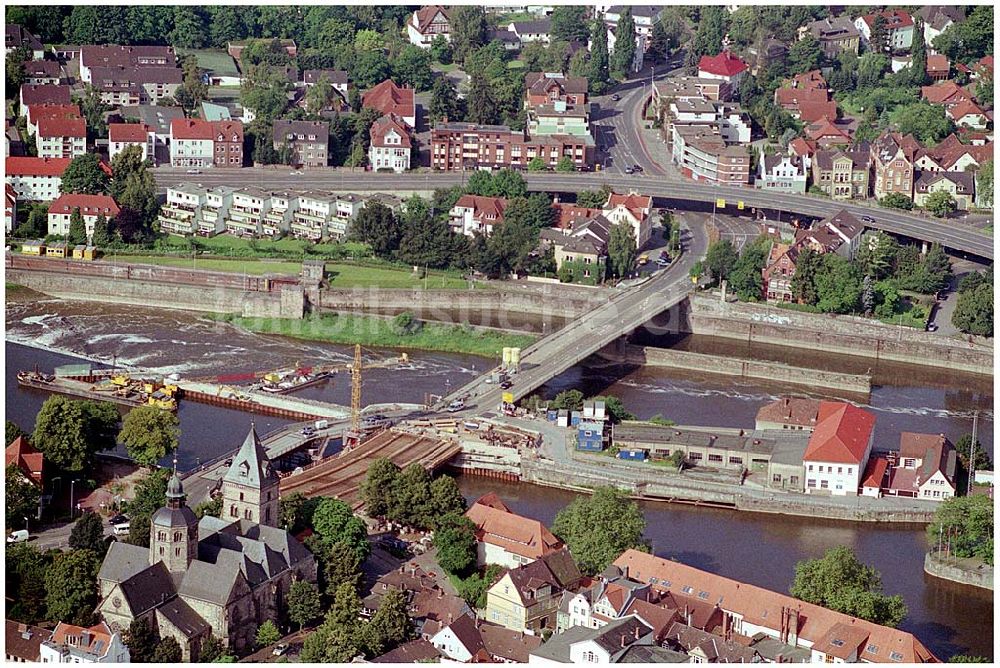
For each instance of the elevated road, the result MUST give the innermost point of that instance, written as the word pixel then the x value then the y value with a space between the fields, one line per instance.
pixel 952 236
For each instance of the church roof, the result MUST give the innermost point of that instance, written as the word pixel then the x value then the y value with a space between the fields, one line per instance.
pixel 123 561
pixel 251 467
pixel 174 517
pixel 212 582
pixel 148 588
pixel 184 618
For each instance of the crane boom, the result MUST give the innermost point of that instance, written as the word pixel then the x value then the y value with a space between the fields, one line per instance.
pixel 356 391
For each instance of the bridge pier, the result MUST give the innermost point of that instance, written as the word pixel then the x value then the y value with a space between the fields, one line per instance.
pixel 923 248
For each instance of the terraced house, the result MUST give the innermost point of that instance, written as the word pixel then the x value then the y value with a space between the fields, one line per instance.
pixel 527 598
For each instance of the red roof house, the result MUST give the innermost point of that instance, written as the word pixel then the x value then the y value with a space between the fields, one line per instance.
pixel 43 94
pixel 389 98
pixel 31 462
pixel 28 166
pixel 128 132
pixel 62 127
pixel 502 534
pixel 37 112
pixel 843 435
pixel 724 65
pixel 89 205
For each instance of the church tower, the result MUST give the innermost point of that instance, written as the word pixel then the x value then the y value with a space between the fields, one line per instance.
pixel 173 530
pixel 250 486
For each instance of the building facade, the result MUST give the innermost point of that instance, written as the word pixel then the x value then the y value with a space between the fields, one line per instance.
pixel 197 143
pixel 91 208
pixel 308 141
pixel 391 145
pixel 458 146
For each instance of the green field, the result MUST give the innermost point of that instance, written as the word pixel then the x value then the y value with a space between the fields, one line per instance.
pixel 224 244
pixel 248 266
pixel 341 275
pixel 379 332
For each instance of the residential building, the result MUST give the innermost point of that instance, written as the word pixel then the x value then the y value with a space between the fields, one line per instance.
pixel 215 112
pixel 609 644
pixel 835 35
pixel 507 539
pixel 769 52
pixel 123 86
pixel 581 249
pixel 391 145
pixel 246 213
pixel 701 154
pixel 215 212
pixel 36 179
pixel 937 19
pixel 22 642
pixel 123 135
pixel 644 16
pixel 10 208
pixel 456 146
pixel 220 576
pixel 782 173
pixel 388 98
pixel 61 137
pixel 951 155
pixel 778 272
pixel 968 114
pixel 681 88
pixel 748 610
pixel 16 37
pixel 414 651
pixel 197 143
pixel 924 467
pixel 338 79
pixel 473 214
pixel 826 133
pixel 42 72
pixel 634 210
pixel 640 46
pixel 91 208
pixel 114 56
pixel 531 31
pixel 157 117
pixel 938 67
pixel 789 413
pixel 278 218
pixel 347 209
pixel 947 93
pixel 83 644
pixel 807 98
pixel 45 94
pixel 180 213
pixel 468 640
pixel 727 118
pixel 29 461
pixel 36 112
pixel 898 27
pixel 460 640
pixel 726 68
pixel 313 215
pixel 892 160
pixel 840 233
pixel 427 23
pixel 527 597
pixel 842 173
pixel 548 87
pixel 608 597
pixel 559 118
pixel 308 141
pixel 838 449
pixel 960 185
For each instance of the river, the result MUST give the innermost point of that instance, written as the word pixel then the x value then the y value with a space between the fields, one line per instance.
pixel 760 549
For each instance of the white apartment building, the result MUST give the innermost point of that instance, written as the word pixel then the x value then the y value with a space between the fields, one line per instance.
pixel 35 179
pixel 91 208
pixel 78 644
pixel 278 218
pixel 246 214
pixel 313 216
pixel 348 207
pixel 123 135
pixel 61 137
pixel 391 146
pixel 180 213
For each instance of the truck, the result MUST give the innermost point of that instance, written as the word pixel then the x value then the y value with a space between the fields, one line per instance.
pixel 322 424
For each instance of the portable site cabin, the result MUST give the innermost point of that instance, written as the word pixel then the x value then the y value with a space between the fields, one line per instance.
pixel 57 249
pixel 33 248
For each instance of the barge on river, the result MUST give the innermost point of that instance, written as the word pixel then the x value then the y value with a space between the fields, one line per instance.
pixel 124 395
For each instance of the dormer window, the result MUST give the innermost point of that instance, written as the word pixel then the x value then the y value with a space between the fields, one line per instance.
pixel 244 469
pixel 221 137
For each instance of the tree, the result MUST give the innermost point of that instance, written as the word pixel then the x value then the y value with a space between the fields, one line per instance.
pixel 840 582
pixel 340 566
pixel 615 409
pixel 984 183
pixel 621 250
pixel 593 199
pixel 441 50
pixel 927 122
pixel 599 75
pixel 805 55
pixel 149 434
pixel 455 540
pixel 337 638
pixel 877 255
pixel 879 40
pixel 141 641
pixel 190 33
pixel 390 626
pixel 71 587
pixel 469 29
pixel 446 498
pixel 916 73
pixel 88 534
pixel 569 22
pixel 303 603
pixel 940 203
pixel 412 497
pixel 37 224
pixel 974 311
pixel 15 75
pixel 867 295
pixel 623 58
pixel 150 495
pixel 69 432
pixel 445 104
pixel 565 165
pixel 746 279
pixel 167 651
pixel 93 110
pixel 711 29
pixel 212 650
pixel 376 225
pixel 102 232
pixel 568 400
pixel 334 522
pixel 376 490
pixel 964 527
pixel 721 259
pixel 267 634
pixel 84 176
pixel 481 102
pixel 25 568
pixel 963 448
pixel 508 183
pixel 969 40
pixel 413 67
pixel 896 201
pixel 20 496
pixel 838 286
pixel 370 68
pixel 660 42
pixel 599 528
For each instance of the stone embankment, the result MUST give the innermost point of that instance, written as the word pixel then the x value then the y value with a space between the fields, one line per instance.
pixel 963 571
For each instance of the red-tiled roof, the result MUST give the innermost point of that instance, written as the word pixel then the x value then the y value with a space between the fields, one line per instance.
pixel 37 112
pixel 493 501
pixel 131 132
pixel 99 637
pixel 489 207
pixel 790 410
pixel 24 166
pixel 195 128
pixel 842 434
pixel 801 146
pixel 62 127
pixel 568 214
pixel 519 535
pixel 894 19
pixel 89 205
pixel 22 641
pixel 724 64
pixel 389 98
pixel 426 14
pixel 811 112
pixel 875 472
pixel 44 94
pixel 381 127
pixel 944 92
pixel 638 205
pixel 21 453
pixel 962 109
pixel 938 62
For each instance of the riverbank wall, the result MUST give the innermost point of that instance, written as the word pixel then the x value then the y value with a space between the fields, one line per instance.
pixel 957 570
pixel 743 368
pixel 847 335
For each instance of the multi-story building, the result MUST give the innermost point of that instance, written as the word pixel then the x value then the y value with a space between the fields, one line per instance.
pixel 456 146
pixel 246 213
pixel 547 87
pixel 212 219
pixel 180 213
pixel 197 143
pixel 507 539
pixel 45 94
pixel 782 173
pixel 123 135
pixel 893 156
pixel 84 644
pixel 526 598
pixel 42 72
pixel 559 118
pixel 35 179
pixel 643 16
pixel 338 79
pixel 841 173
pixel 313 215
pixel 581 249
pixel 778 272
pixel 16 37
pixel 633 210
pixel 91 208
pixel 835 35
pixel 347 209
pixel 527 32
pixel 838 449
pixel 308 141
pixel 388 98
pixel 898 29
pixel 960 185
pixel 701 154
pixel 923 468
pixel 684 88
pixel 111 55
pixel 727 118
pixel 726 68
pixel 131 85
pixel 391 145
pixel 839 233
pixel 427 23
pixel 473 214
pixel 279 217
pixel 37 112
pixel 937 19
pixel 9 208
pixel 61 137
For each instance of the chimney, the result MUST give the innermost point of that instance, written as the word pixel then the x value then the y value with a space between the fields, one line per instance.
pixel 623 640
pixel 450 618
pixel 85 638
pixel 637 632
pixel 402 570
pixel 793 627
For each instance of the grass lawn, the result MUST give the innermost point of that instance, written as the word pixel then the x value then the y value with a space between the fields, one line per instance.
pixel 908 314
pixel 250 266
pixel 379 332
pixel 353 276
pixel 225 244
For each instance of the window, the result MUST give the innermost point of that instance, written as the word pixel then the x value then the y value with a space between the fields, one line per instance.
pixel 794 480
pixel 810 467
pixel 687 589
pixel 824 484
pixel 811 483
pixel 703 595
pixel 895 656
pixel 776 478
pixel 715 458
pixel 840 469
pixel 694 456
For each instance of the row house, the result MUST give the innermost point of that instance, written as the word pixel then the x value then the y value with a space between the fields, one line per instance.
pixel 456 146
pixel 277 220
pixel 892 158
pixel 391 144
pixel 215 211
pixel 16 37
pixel 312 216
pixel 427 23
pixel 157 117
pixel 181 212
pixel 898 28
pixel 842 173
pixel 473 215
pixel 114 56
pixel 36 112
pixel 548 87
pixel 960 185
pixel 388 98
pixel 123 135
pixel 835 35
pixel 91 208
pixel 197 143
pixel 782 173
pixel 36 179
pixel 30 95
pixel 806 632
pixel 308 141
pixel 347 208
pixel 61 137
pixel 126 86
pixel 247 212
pixel 42 72
pixel 701 154
pixel 726 68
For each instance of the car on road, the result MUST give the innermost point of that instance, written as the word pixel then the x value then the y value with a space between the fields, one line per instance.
pixel 194 171
pixel 308 431
pixel 123 529
pixel 867 219
pixel 662 262
pixel 616 97
pixel 456 406
pixel 932 327
pixel 506 385
pixel 629 170
pixel 19 536
pixel 118 519
pixel 643 259
pixel 279 649
pixel 637 168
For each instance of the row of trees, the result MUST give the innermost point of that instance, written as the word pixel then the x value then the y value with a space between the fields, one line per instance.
pixel 974 311
pixel 409 496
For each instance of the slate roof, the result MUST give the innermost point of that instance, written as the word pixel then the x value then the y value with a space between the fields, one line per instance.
pixel 840 27
pixel 611 637
pixel 716 649
pixel 335 77
pixel 184 618
pixel 652 654
pixel 507 644
pixel 44 94
pixel 42 68
pixel 251 466
pixel 411 652
pixel 154 115
pixel 965 182
pixel 148 588
pixel 122 561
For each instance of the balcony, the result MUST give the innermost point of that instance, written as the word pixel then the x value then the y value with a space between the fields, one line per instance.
pixel 310 216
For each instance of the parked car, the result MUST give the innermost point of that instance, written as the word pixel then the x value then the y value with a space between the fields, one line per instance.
pixel 643 259
pixel 637 168
pixel 662 262
pixel 118 519
pixel 616 97
pixel 279 649
pixel 932 327
pixel 629 170
pixel 19 536
pixel 194 171
pixel 456 406
pixel 123 529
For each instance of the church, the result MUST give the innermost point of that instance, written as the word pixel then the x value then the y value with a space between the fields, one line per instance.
pixel 216 576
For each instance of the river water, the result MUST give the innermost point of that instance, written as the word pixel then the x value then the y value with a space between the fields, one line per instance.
pixel 761 549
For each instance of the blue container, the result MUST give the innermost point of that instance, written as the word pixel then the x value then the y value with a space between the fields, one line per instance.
pixel 632 455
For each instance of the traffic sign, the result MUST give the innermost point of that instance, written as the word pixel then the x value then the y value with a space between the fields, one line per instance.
pixel 739 205
pixel 721 203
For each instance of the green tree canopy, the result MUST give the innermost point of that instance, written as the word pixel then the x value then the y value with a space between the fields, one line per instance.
pixel 941 204
pixel 339 565
pixel 167 651
pixel 88 534
pixel 69 432
pixel 974 311
pixel 303 603
pixel 621 250
pixel 746 279
pixel 896 201
pixel 599 528
pixel 927 122
pixel 600 64
pixel 838 285
pixel 71 587
pixel 721 259
pixel 446 498
pixel 142 640
pixel 963 448
pixel 469 30
pixel 334 522
pixel 84 176
pixel 624 55
pixel 376 490
pixel 965 525
pixel 149 434
pixel 455 540
pixel 569 22
pixel 377 226
pixel 20 496
pixel 267 634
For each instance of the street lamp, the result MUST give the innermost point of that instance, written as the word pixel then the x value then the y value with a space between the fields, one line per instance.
pixel 71 506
